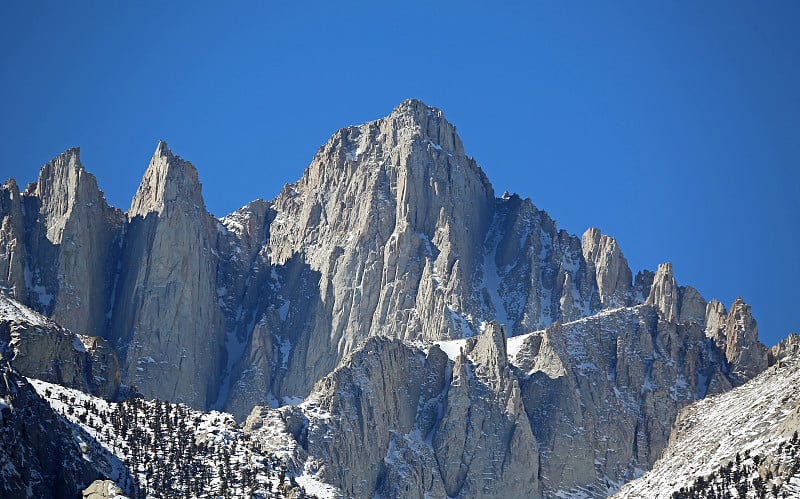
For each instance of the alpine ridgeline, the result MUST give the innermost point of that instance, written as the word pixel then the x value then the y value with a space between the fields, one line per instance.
pixel 446 341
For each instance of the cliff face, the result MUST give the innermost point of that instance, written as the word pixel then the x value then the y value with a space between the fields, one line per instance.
pixel 377 219
pixel 602 393
pixel 166 317
pixel 576 409
pixel 61 243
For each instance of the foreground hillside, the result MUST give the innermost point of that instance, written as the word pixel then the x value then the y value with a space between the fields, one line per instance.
pixel 743 443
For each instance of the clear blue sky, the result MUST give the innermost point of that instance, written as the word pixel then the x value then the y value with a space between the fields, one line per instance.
pixel 671 125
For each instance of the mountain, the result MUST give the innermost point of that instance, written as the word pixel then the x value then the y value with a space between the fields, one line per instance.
pixel 386 325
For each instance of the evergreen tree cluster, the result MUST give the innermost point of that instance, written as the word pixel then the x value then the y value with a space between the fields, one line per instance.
pixel 169 450
pixel 750 476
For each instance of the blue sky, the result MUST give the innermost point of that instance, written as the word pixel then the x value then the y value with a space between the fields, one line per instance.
pixel 671 125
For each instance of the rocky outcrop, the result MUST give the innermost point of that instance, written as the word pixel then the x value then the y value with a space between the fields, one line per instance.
pixel 71 267
pixel 746 355
pixel 676 304
pixel 534 274
pixel 736 334
pixel 612 274
pixel 105 372
pixel 692 305
pixel 374 395
pixel 716 317
pixel 166 317
pixel 13 253
pixel 485 430
pixel 664 293
pixel 103 489
pixel 393 421
pixel 578 408
pixel 785 348
pixel 602 393
pixel 378 217
pixel 39 348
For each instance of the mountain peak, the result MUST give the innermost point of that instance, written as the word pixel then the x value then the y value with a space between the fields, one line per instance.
pixel 67 162
pixel 11 184
pixel 63 184
pixel 168 180
pixel 747 355
pixel 162 149
pixel 415 107
pixel 664 292
pixel 412 119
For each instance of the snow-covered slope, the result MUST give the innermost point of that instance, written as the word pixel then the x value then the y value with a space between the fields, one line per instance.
pixel 737 444
pixel 158 449
pixel 39 458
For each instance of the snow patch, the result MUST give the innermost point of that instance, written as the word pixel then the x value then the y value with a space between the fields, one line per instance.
pixel 78 345
pixel 452 347
pixel 283 311
pixel 313 485
pixel 44 298
pixel 12 310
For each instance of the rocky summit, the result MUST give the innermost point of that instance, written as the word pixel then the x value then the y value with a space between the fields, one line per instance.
pixel 387 326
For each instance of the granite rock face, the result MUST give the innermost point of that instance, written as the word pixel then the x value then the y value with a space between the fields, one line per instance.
pixel 103 489
pixel 664 293
pixel 602 392
pixel 576 409
pixel 612 274
pixel 61 241
pixel 378 228
pixel 485 430
pixel 716 318
pixel 746 354
pixel 82 233
pixel 736 333
pixel 166 316
pixel 787 347
pixel 13 251
pixel 377 220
